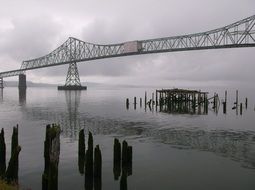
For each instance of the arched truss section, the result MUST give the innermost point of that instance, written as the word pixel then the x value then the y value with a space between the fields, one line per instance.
pixel 238 34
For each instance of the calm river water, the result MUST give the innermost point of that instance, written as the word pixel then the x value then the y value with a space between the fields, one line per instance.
pixel 170 151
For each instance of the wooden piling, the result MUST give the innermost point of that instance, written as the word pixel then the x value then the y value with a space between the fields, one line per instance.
pixel 129 160
pixel 97 169
pixel 241 108
pixel 224 107
pixel 51 157
pixel 11 172
pixel 81 151
pixel 116 159
pixel 123 181
pixel 124 154
pixel 141 102
pixel 2 154
pixel 135 103
pixel 237 98
pixel 145 99
pixel 89 169
pixel 156 98
pixel 127 103
pixel 226 94
pixel 246 103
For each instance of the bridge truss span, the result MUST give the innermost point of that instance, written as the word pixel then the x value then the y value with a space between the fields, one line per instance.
pixel 238 34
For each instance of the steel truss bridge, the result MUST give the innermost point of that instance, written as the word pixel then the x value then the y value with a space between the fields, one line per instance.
pixel 237 35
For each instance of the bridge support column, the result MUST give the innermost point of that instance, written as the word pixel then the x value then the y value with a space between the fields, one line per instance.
pixel 22 81
pixel 72 79
pixel 1 83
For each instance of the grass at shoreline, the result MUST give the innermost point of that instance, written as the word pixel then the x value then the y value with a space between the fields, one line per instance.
pixel 5 186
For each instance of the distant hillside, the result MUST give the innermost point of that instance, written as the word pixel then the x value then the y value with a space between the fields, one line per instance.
pixel 32 84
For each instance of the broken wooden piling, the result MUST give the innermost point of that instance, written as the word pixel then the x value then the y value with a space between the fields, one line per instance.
pixel 51 157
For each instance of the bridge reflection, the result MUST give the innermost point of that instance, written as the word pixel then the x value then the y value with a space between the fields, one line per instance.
pixel 22 96
pixel 1 95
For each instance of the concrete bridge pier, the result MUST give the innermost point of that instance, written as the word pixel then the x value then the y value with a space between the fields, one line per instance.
pixel 22 81
pixel 1 83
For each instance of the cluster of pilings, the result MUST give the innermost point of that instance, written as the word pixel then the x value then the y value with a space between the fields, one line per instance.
pixel 238 106
pixel 183 101
pixel 175 101
pixel 11 173
pixel 51 157
pixel 88 163
pixel 122 162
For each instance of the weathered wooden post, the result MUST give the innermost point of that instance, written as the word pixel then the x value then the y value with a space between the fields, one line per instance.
pixel 224 107
pixel 236 102
pixel 145 99
pixel 81 151
pixel 237 97
pixel 97 169
pixel 2 154
pixel 246 103
pixel 135 103
pixel 141 102
pixel 11 172
pixel 51 157
pixel 127 103
pixel 123 181
pixel 89 164
pixel 226 94
pixel 129 160
pixel 14 167
pixel 156 98
pixel 241 108
pixel 124 155
pixel 116 159
pixel 152 98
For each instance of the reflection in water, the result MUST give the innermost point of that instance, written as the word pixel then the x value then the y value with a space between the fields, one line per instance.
pixel 72 125
pixel 22 96
pixel 236 145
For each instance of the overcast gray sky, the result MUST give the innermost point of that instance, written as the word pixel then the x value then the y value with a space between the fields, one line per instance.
pixel 32 28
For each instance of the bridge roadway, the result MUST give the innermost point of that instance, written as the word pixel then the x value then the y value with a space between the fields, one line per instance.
pixel 237 35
